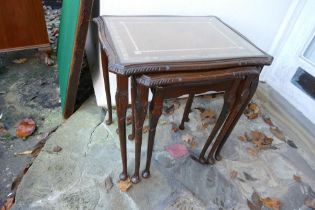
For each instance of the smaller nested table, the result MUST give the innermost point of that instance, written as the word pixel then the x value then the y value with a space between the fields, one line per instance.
pixel 146 45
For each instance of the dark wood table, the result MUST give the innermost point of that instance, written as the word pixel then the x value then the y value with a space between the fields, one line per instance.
pixel 137 45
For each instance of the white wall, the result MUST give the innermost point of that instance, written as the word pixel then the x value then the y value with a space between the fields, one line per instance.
pixel 258 20
pixel 288 58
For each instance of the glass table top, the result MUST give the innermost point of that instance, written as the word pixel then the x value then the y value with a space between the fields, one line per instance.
pixel 169 39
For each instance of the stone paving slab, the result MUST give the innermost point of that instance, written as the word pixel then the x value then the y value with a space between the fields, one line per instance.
pixel 75 177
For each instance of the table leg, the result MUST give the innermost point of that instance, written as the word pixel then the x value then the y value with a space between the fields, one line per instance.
pixel 155 112
pixel 133 107
pixel 245 93
pixel 186 111
pixel 122 104
pixel 229 99
pixel 141 111
pixel 107 87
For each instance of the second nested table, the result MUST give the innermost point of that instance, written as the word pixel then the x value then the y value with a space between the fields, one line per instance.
pixel 136 45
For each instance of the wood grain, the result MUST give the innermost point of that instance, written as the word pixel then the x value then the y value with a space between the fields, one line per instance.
pixel 22 25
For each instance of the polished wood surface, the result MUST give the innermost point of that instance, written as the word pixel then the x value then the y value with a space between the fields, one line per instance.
pixel 122 43
pixel 22 25
pixel 235 72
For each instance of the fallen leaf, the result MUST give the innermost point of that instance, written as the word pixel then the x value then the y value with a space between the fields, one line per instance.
pixel 260 140
pixel 242 138
pixel 174 127
pixel 256 200
pixel 248 177
pixel 251 206
pixel 27 152
pixel 108 183
pixel 177 150
pixel 128 120
pixel 57 148
pixel 277 132
pixel 25 128
pixel 124 185
pixel 233 174
pixel 8 203
pixel 145 129
pixel 208 117
pixel 309 202
pixel 291 144
pixel 271 203
pixel 255 203
pixel 252 111
pixel 189 140
pixel 20 60
pixel 208 113
pixel 297 178
pixel 252 151
pixel 170 110
pixel 267 120
pixel 200 109
pixel 40 144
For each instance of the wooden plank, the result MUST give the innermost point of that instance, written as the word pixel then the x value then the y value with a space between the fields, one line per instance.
pixel 22 25
pixel 73 30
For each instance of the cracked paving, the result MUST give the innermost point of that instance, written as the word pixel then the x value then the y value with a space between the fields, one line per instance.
pixel 75 177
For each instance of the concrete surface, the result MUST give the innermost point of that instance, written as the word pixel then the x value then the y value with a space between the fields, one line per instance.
pixel 74 178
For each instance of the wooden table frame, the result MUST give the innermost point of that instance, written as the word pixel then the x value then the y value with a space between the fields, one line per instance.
pixel 124 71
pixel 234 82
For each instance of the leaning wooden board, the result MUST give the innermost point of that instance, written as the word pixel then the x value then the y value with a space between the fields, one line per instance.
pixel 75 20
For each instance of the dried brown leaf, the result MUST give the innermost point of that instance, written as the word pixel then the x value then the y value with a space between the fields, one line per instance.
pixel 25 128
pixel 242 138
pixel 309 202
pixel 252 151
pixel 57 148
pixel 174 127
pixel 27 152
pixel 260 140
pixel 170 110
pixel 208 117
pixel 233 174
pixel 200 109
pixel 189 140
pixel 124 185
pixel 256 200
pixel 277 133
pixel 20 60
pixel 267 120
pixel 8 203
pixel 252 111
pixel 297 178
pixel 208 113
pixel 145 129
pixel 271 203
pixel 251 206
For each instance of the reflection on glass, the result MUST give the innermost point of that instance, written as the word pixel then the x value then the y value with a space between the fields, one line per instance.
pixel 310 51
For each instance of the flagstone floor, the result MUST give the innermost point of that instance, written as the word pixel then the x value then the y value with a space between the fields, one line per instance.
pixel 281 173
